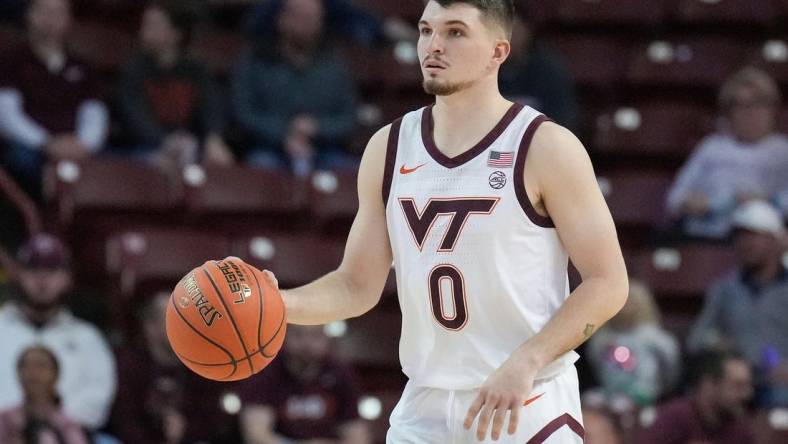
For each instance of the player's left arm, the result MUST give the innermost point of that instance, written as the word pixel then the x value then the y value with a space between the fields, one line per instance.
pixel 569 191
pixel 560 179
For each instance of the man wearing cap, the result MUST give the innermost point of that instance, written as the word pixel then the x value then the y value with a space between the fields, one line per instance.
pixel 747 310
pixel 37 315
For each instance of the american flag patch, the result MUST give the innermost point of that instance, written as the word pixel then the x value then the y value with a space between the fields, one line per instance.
pixel 501 160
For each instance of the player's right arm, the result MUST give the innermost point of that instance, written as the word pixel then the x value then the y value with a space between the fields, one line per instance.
pixel 355 287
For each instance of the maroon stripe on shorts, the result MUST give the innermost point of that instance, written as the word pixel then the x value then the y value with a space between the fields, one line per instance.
pixel 555 425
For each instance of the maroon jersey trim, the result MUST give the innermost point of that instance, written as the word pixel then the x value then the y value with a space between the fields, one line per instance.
pixel 519 176
pixel 391 157
pixel 428 125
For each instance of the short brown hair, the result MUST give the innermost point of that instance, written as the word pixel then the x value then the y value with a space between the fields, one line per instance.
pixel 748 77
pixel 499 11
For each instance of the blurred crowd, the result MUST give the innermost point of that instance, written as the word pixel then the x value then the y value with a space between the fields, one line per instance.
pixel 290 104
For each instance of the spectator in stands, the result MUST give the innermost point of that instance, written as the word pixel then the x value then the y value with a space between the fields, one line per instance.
pixel 600 427
pixel 343 19
pixel 534 75
pixel 168 101
pixel 303 395
pixel 745 160
pixel 50 106
pixel 715 409
pixel 38 316
pixel 159 400
pixel 294 99
pixel 38 419
pixel 632 355
pixel 747 310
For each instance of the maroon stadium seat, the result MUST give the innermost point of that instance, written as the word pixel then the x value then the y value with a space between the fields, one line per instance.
pixel 686 271
pixel 656 128
pixel 295 258
pixel 688 62
pixel 612 12
pixel 106 184
pixel 772 56
pixel 636 198
pixel 372 340
pixel 241 190
pixel 593 60
pixel 743 12
pixel 333 197
pixel 160 254
pixel 388 399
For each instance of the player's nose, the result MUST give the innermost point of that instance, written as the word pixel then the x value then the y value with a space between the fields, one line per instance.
pixel 435 45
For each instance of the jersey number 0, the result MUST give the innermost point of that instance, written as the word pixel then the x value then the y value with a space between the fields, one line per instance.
pixel 420 223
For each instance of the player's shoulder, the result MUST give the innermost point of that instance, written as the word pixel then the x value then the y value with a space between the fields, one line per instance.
pixel 553 145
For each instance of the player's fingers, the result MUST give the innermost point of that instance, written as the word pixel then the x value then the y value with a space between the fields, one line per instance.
pixel 272 277
pixel 473 410
pixel 514 418
pixel 484 418
pixel 499 420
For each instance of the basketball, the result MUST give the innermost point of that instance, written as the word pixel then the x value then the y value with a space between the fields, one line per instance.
pixel 226 320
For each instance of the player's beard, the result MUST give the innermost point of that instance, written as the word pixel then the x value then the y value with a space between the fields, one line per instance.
pixel 438 88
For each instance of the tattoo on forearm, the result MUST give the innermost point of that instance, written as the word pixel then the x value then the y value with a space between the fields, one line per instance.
pixel 588 331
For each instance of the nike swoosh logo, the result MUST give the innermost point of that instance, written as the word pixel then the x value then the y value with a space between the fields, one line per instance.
pixel 532 400
pixel 403 170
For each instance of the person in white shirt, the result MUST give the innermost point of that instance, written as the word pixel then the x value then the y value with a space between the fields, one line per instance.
pixel 37 316
pixel 746 159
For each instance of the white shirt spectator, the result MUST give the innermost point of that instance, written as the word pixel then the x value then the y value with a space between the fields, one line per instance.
pixel 87 366
pixel 723 169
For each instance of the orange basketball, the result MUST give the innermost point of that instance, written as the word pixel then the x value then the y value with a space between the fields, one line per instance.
pixel 226 320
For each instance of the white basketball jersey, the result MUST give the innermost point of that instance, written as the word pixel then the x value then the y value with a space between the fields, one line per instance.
pixel 478 270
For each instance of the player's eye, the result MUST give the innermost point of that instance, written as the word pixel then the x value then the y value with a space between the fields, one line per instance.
pixel 456 33
pixel 425 31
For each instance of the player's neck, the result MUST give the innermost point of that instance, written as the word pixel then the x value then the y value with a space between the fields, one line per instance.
pixel 467 115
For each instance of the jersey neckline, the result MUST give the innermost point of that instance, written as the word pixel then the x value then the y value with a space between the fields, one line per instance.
pixel 428 126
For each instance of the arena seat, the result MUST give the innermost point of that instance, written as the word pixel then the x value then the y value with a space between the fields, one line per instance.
pixel 157 254
pixel 295 258
pixel 388 399
pixel 106 184
pixel 770 426
pixel 683 271
pixel 141 261
pixel 657 128
pixel 612 12
pixel 333 199
pixel 593 60
pixel 739 12
pixel 372 340
pixel 686 61
pixel 772 56
pixel 636 198
pixel 211 191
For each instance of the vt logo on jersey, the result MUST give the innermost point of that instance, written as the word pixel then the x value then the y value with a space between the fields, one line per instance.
pixel 460 209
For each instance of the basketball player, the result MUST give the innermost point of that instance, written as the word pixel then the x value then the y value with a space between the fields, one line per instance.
pixel 479 203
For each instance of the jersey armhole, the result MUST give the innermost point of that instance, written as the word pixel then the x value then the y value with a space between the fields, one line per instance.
pixel 519 175
pixel 391 157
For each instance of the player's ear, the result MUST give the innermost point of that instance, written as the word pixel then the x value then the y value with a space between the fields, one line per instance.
pixel 502 50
